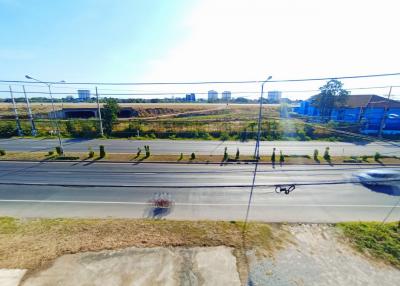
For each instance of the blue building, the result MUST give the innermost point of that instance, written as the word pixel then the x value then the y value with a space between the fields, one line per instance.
pixel 190 97
pixel 369 110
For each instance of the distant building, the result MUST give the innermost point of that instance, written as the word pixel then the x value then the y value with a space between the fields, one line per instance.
pixel 274 96
pixel 190 97
pixel 226 96
pixel 373 113
pixel 212 96
pixel 84 94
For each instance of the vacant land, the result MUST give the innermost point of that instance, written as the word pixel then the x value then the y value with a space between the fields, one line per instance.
pixel 275 254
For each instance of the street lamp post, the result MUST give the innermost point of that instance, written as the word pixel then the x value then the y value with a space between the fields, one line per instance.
pixel 52 107
pixel 257 149
pixel 256 154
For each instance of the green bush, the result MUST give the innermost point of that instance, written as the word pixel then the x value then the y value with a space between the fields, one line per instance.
pixel 327 157
pixel 91 153
pixel 139 151
pixel 50 153
pixel 2 152
pixel 237 154
pixel 281 158
pixel 7 129
pixel 224 136
pixel 102 151
pixel 315 155
pixel 377 156
pixel 192 156
pixel 59 150
pixel 147 149
pixel 273 156
pixel 180 157
pixel 226 154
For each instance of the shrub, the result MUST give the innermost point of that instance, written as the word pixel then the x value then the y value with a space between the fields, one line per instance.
pixel 91 153
pixel 50 153
pixel 316 155
pixel 7 130
pixel 327 157
pixel 147 149
pixel 281 158
pixel 226 154
pixel 139 151
pixel 59 150
pixel 2 152
pixel 237 154
pixel 273 156
pixel 224 136
pixel 377 156
pixel 102 151
pixel 364 158
pixel 192 156
pixel 180 157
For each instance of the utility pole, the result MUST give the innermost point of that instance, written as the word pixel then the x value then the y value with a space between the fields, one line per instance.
pixel 19 129
pixel 256 153
pixel 28 106
pixel 99 114
pixel 382 124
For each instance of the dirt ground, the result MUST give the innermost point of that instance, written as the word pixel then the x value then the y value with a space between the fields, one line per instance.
pixel 142 266
pixel 319 255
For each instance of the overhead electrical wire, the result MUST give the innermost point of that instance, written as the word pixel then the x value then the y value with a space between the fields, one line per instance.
pixel 209 82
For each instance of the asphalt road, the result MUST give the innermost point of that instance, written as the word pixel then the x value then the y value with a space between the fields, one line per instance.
pixel 203 147
pixel 199 192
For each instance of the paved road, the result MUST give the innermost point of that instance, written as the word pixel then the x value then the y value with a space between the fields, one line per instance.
pixel 199 191
pixel 202 147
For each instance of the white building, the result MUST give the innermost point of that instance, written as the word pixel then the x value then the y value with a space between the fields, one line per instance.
pixel 84 94
pixel 212 95
pixel 274 96
pixel 226 96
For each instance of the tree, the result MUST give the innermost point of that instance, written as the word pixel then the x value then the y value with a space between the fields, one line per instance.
pixel 273 156
pixel 226 154
pixel 281 158
pixel 332 95
pixel 237 154
pixel 110 114
pixel 327 157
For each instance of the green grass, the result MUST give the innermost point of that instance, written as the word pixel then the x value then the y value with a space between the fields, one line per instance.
pixel 379 240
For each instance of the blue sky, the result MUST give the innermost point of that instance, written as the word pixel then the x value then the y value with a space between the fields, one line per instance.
pixel 87 40
pixel 194 40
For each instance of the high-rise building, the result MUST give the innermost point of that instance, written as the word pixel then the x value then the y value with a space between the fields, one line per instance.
pixel 226 96
pixel 84 94
pixel 190 97
pixel 212 96
pixel 274 96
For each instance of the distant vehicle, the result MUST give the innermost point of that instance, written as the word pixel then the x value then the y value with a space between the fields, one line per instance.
pixel 379 177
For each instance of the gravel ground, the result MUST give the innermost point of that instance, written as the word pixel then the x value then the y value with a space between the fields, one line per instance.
pixel 317 256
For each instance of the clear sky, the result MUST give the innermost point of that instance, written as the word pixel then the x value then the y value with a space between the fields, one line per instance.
pixel 193 40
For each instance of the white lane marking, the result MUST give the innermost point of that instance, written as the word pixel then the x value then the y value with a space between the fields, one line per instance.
pixel 197 204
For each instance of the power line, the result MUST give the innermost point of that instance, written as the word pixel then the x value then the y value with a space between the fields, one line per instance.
pixel 210 82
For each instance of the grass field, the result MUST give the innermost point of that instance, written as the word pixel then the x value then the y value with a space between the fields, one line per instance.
pixel 377 239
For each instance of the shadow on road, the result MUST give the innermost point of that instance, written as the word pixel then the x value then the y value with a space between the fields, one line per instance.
pixel 389 190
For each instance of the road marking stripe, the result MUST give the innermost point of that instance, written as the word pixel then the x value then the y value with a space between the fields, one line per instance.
pixel 196 204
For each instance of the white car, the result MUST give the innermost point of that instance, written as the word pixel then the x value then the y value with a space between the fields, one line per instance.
pixel 379 177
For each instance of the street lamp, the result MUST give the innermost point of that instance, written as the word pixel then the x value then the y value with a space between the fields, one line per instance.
pixel 52 107
pixel 257 149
